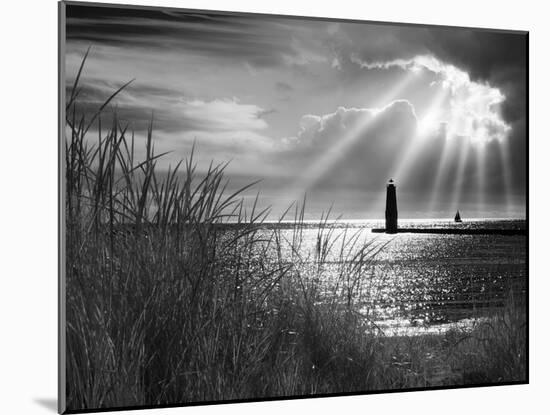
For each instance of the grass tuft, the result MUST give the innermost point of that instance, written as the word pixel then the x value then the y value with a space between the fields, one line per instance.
pixel 169 303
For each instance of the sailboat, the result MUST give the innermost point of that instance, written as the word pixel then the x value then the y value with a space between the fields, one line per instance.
pixel 457 217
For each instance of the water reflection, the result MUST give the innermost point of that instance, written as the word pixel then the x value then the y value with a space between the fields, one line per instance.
pixel 419 283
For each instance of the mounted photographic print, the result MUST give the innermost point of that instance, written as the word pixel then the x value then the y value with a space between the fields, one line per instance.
pixel 259 207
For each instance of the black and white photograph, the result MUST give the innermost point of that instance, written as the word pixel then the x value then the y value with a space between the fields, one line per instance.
pixel 259 207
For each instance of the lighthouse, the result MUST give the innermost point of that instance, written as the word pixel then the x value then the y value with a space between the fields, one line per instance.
pixel 391 208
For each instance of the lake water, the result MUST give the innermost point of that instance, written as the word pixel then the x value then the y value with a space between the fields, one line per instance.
pixel 422 283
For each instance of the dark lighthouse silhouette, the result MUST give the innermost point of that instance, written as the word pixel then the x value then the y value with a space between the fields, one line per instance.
pixel 391 221
pixel 391 208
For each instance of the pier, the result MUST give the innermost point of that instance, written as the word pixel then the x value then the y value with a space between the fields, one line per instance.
pixel 455 231
pixel 392 225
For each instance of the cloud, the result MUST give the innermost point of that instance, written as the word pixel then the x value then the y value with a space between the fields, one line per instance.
pixel 182 60
pixel 176 111
pixel 336 64
pixel 495 57
pixel 265 113
pixel 324 130
pixel 264 43
pixel 283 87
pixel 351 147
pixel 223 115
pixel 474 109
pixel 359 149
pixel 305 50
pixel 98 90
pixel 223 128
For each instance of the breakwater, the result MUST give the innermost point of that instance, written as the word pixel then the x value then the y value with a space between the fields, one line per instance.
pixel 457 231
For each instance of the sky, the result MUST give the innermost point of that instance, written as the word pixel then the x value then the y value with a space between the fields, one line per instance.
pixel 327 109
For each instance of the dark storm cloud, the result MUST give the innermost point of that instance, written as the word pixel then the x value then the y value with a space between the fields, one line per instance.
pixel 251 60
pixel 374 154
pixel 501 60
pixel 482 53
pixel 497 58
pixel 256 41
pixel 485 55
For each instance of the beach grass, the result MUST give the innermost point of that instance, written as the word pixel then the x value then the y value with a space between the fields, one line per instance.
pixel 177 294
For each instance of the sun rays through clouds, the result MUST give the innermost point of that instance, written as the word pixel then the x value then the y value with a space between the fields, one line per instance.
pixel 314 108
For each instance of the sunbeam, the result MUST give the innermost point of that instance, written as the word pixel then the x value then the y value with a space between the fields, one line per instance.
pixel 505 163
pixel 459 176
pixel 275 198
pixel 335 153
pixel 406 158
pixel 481 179
pixel 427 125
pixel 440 172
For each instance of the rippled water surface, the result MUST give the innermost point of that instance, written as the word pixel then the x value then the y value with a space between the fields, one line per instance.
pixel 418 283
